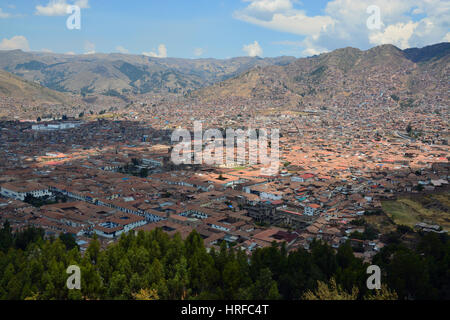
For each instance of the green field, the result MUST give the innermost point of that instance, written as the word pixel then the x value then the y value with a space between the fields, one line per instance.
pixel 381 222
pixel 429 208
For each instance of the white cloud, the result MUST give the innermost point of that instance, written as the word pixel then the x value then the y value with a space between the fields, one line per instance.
pixel 4 15
pixel 59 7
pixel 446 38
pixel 343 22
pixel 122 49
pixel 253 49
pixel 396 34
pixel 269 5
pixel 83 4
pixel 198 52
pixel 70 53
pixel 89 47
pixel 279 15
pixel 46 50
pixel 312 51
pixel 16 42
pixel 162 52
pixel 296 23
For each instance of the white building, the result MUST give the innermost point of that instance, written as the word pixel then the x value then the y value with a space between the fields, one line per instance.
pixel 152 162
pixel 311 209
pixel 19 191
pixel 118 225
pixel 55 126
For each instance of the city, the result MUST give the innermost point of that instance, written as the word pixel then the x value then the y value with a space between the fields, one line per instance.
pixel 362 165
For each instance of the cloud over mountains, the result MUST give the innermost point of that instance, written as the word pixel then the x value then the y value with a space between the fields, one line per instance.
pixel 405 23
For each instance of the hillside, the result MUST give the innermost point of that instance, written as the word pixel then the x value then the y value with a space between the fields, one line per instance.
pixel 117 74
pixel 14 87
pixel 338 79
pixel 344 72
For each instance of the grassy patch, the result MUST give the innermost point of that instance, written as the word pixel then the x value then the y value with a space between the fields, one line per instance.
pixel 422 208
pixel 381 222
pixel 401 213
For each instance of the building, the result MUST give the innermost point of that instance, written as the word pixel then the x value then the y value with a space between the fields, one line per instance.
pixel 55 126
pixel 115 226
pixel 19 191
pixel 311 209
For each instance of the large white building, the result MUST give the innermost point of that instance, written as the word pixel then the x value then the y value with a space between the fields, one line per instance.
pixel 264 191
pixel 119 224
pixel 55 126
pixel 19 191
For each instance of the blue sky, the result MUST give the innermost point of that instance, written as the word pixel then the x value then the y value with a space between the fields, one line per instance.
pixel 220 28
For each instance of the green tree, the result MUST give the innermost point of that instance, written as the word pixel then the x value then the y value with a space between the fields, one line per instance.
pixel 324 258
pixel 265 288
pixel 68 240
pixel 143 173
pixel 6 237
pixel 93 250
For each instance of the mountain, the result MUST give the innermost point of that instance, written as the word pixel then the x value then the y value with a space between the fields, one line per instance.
pixel 427 53
pixel 120 74
pixel 14 87
pixel 341 77
pixel 346 72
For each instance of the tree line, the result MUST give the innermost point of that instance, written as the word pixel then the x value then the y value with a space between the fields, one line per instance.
pixel 153 265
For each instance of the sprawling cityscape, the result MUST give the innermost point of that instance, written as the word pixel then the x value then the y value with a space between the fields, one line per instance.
pixel 360 178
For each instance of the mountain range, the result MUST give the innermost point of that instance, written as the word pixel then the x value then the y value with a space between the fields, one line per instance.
pixel 14 86
pixel 121 74
pixel 347 72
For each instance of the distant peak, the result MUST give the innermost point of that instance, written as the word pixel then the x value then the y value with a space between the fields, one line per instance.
pixel 386 47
